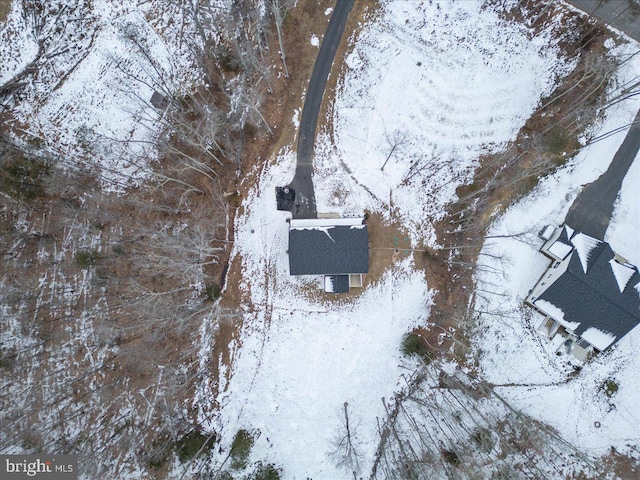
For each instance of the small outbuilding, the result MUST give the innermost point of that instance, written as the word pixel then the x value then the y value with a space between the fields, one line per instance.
pixel 159 101
pixel 337 248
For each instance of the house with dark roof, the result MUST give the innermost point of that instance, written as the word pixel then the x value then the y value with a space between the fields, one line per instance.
pixel 589 295
pixel 337 248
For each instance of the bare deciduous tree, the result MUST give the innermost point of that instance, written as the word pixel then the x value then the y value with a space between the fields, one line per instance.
pixel 345 445
pixel 279 10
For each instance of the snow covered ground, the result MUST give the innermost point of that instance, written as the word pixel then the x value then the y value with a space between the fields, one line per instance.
pixel 429 87
pixel 301 355
pixel 623 233
pixel 90 99
pixel 510 353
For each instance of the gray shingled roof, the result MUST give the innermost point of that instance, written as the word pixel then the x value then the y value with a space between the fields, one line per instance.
pixel 328 248
pixel 336 283
pixel 593 299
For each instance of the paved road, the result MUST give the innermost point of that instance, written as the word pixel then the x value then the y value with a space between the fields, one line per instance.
pixel 621 14
pixel 592 209
pixel 305 202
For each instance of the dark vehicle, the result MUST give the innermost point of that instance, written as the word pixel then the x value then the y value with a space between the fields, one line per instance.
pixel 285 197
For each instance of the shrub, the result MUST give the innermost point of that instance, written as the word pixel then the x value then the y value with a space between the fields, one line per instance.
pixel 484 439
pixel 241 449
pixel 228 59
pixel 86 258
pixel 192 443
pixel 22 178
pixel 266 472
pixel 158 458
pixel 7 358
pixel 557 141
pixel 250 129
pixel 412 344
pixel 610 388
pixel 234 199
pixel 212 291
pixel 451 457
pixel 504 472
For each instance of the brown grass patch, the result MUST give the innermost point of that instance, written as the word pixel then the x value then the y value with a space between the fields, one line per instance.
pixel 5 8
pixel 626 467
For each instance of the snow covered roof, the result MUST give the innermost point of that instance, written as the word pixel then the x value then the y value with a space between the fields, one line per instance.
pixel 547 232
pixel 598 338
pixel 596 297
pixel 560 249
pixel 584 246
pixel 323 223
pixel 561 246
pixel 622 272
pixel 328 246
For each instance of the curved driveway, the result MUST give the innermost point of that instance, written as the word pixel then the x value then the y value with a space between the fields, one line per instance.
pixel 305 201
pixel 592 209
pixel 623 15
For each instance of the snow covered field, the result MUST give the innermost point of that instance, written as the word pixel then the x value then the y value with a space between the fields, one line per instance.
pixel 429 87
pixel 508 350
pixel 301 355
pixel 90 99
